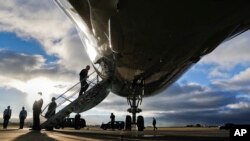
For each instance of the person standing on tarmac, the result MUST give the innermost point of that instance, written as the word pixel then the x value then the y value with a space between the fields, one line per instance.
pixel 6 117
pixel 37 109
pixel 83 77
pixel 112 117
pixel 77 121
pixel 22 117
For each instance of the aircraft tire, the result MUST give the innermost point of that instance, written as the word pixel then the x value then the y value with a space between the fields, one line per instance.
pixel 128 123
pixel 140 123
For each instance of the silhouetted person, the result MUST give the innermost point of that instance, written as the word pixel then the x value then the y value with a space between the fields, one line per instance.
pixel 154 124
pixel 51 109
pixel 37 109
pixel 77 121
pixel 6 117
pixel 83 77
pixel 22 117
pixel 112 117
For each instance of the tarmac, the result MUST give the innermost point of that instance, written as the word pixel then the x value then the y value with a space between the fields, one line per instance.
pixel 97 134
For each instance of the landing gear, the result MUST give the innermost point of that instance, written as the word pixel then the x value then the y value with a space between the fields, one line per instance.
pixel 140 123
pixel 134 101
pixel 49 128
pixel 128 123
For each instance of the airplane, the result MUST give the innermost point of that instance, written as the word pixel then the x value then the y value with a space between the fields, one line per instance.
pixel 141 47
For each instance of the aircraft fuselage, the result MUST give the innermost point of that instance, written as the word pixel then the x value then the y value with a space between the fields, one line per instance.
pixel 148 43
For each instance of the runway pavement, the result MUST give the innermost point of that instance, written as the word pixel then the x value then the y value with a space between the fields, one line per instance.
pixel 96 134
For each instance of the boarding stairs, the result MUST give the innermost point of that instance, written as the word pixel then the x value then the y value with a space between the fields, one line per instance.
pixel 96 93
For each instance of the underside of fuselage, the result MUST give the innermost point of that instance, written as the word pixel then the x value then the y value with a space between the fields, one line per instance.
pixel 145 45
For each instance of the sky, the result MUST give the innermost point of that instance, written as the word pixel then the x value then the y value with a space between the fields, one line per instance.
pixel 40 51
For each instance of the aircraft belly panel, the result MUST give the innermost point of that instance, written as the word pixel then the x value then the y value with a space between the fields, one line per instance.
pixel 157 41
pixel 161 41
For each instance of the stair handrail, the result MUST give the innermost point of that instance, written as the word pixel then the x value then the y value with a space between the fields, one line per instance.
pixel 69 90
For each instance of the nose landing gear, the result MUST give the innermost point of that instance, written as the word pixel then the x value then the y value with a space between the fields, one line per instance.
pixel 134 101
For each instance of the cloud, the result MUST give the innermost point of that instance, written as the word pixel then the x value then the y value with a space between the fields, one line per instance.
pixel 34 19
pixel 25 67
pixel 207 117
pixel 11 95
pixel 192 100
pixel 15 65
pixel 45 22
pixel 240 105
pixel 32 73
pixel 240 81
pixel 230 53
pixel 217 73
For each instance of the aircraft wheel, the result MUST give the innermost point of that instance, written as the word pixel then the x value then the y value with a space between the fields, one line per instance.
pixel 49 128
pixel 140 123
pixel 128 123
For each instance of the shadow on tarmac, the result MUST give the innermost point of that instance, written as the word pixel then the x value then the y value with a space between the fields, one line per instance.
pixel 34 135
pixel 144 137
pixel 90 135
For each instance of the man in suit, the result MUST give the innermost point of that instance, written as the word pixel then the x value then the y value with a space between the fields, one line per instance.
pixel 22 117
pixel 6 117
pixel 83 77
pixel 37 109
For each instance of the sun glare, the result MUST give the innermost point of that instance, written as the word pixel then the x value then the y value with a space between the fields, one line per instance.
pixel 90 50
pixel 40 84
pixel 85 34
